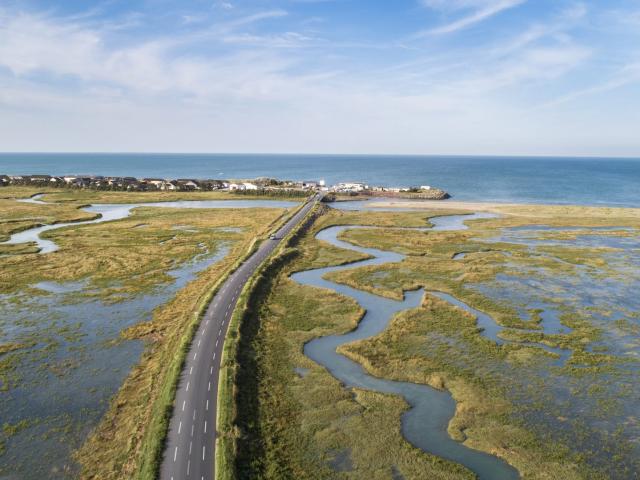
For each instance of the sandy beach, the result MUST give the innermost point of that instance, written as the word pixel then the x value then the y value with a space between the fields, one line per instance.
pixel 443 205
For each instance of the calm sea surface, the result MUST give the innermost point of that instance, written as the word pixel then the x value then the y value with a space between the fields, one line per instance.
pixel 592 181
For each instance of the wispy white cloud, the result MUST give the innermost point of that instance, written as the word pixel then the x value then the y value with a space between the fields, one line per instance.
pixel 481 11
pixel 275 80
pixel 627 75
pixel 37 44
pixel 554 28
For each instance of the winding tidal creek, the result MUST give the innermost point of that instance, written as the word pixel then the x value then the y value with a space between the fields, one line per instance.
pixel 424 425
pixel 57 386
pixel 109 212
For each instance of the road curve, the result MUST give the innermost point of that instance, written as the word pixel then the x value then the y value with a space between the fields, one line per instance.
pixel 190 447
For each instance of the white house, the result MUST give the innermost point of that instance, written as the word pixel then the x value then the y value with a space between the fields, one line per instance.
pixel 156 182
pixel 249 186
pixel 351 187
pixel 168 185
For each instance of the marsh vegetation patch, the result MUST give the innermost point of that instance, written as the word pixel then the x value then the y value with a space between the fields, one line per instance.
pixel 76 321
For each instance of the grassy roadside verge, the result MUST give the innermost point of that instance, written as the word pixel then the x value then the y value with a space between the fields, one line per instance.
pixel 231 363
pixel 154 440
pixel 129 441
pixel 289 418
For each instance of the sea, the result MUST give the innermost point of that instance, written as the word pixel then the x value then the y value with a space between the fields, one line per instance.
pixel 547 180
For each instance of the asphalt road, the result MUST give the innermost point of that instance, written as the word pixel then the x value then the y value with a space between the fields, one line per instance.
pixel 190 447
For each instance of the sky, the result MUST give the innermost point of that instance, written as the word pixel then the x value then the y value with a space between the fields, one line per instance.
pixel 468 77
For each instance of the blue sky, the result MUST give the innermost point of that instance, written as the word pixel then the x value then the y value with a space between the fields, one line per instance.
pixel 508 77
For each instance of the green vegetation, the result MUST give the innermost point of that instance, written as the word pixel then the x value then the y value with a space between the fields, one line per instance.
pixel 18 216
pixel 86 196
pixel 285 423
pixel 131 435
pixel 292 419
pixel 116 261
pixel 126 257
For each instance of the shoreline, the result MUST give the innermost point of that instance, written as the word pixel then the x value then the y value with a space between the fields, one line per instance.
pixel 494 207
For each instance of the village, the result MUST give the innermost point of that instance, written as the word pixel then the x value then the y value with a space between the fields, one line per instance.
pixel 260 185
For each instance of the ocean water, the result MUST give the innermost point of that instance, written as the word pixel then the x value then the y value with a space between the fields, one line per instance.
pixel 589 181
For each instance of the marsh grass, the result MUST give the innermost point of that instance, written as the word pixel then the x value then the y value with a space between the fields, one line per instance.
pixel 84 196
pixel 121 260
pixel 296 425
pixel 131 434
pixel 287 425
pixel 116 261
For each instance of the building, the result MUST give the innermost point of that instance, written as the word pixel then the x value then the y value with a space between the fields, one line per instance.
pixel 188 184
pixel 242 186
pixel 156 182
pixel 43 179
pixel 169 185
pixel 4 180
pixel 351 187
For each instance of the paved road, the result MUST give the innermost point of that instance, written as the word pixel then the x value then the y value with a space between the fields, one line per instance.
pixel 190 448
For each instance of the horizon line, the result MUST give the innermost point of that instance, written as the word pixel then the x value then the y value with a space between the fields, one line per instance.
pixel 267 154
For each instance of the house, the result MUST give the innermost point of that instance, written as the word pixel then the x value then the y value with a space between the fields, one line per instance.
pixel 155 182
pixel 425 187
pixel 56 181
pixel 169 185
pixel 218 184
pixel 80 182
pixel 16 178
pixel 309 184
pixel 351 187
pixel 188 184
pixel 4 180
pixel 211 184
pixel 234 186
pixel 137 186
pixel 40 178
pixel 249 186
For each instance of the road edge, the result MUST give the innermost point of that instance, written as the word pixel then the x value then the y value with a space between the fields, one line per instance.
pixel 154 441
pixel 226 411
